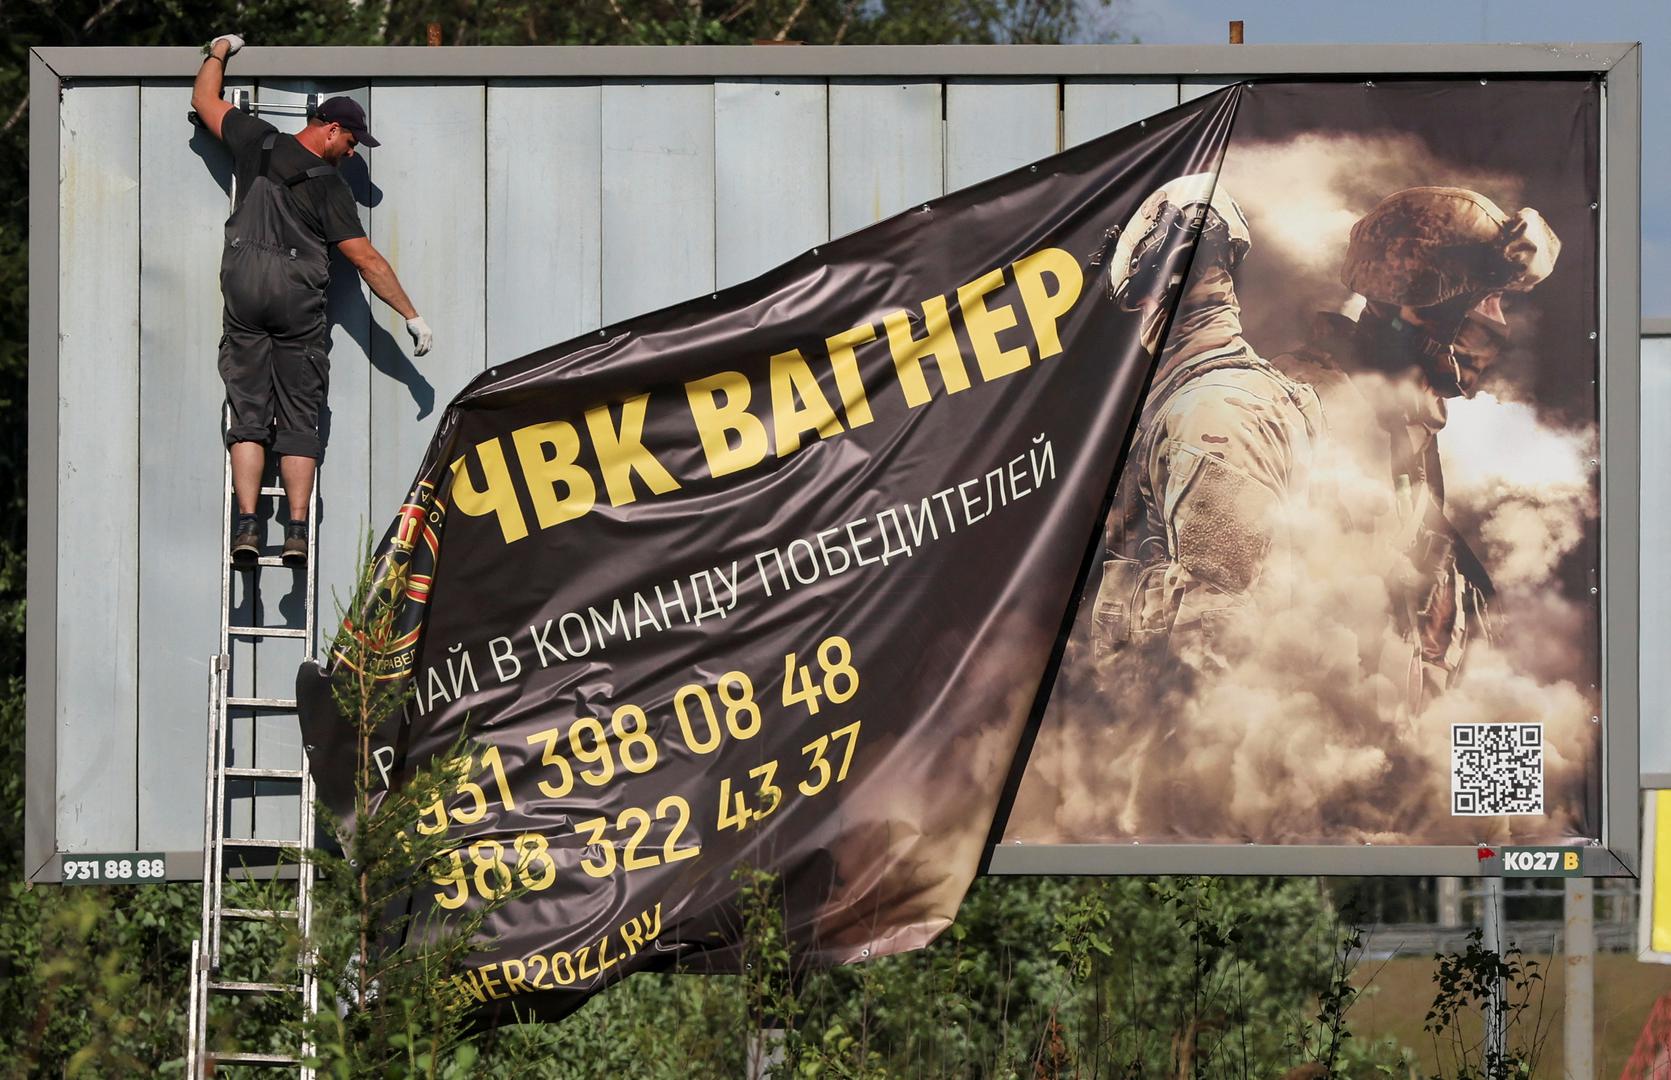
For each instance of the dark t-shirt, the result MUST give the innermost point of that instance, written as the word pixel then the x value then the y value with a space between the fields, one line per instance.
pixel 322 203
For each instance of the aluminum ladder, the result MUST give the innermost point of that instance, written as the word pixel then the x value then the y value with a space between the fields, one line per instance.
pixel 208 981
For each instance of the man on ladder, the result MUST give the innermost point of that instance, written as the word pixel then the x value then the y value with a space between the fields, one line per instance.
pixel 291 204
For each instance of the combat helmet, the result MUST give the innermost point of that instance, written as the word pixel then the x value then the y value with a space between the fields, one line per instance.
pixel 1149 255
pixel 1426 246
pixel 1195 202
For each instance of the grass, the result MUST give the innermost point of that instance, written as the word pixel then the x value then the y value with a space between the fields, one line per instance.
pixel 1401 990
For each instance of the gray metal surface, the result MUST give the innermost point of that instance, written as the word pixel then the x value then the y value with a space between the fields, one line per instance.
pixel 1621 467
pixel 887 149
pixel 771 146
pixel 1656 570
pixel 658 195
pixel 1366 860
pixel 40 768
pixel 1049 61
pixel 544 158
pixel 98 467
pixel 492 196
pixel 995 125
pixel 1092 107
pixel 185 172
pixel 430 222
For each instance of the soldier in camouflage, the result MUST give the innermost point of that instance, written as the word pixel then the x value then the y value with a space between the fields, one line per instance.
pixel 1224 443
pixel 1432 264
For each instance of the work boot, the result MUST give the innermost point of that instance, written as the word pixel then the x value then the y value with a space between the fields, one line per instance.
pixel 295 551
pixel 246 540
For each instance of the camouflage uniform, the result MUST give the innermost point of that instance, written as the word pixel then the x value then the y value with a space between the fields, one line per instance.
pixel 1222 446
pixel 1432 264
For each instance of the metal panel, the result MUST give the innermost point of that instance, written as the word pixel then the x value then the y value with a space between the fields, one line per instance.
pixel 1389 859
pixel 887 150
pixel 658 195
pixel 98 470
pixel 846 61
pixel 40 780
pixel 995 125
pixel 182 541
pixel 544 214
pixel 1655 725
pixel 771 168
pixel 1621 472
pixel 1190 89
pixel 430 225
pixel 1092 107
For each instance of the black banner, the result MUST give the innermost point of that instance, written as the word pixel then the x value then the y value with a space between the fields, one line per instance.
pixel 776 578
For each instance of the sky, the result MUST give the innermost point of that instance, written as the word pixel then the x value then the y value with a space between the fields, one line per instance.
pixel 1204 22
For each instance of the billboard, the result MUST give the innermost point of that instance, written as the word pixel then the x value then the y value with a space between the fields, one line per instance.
pixel 117 214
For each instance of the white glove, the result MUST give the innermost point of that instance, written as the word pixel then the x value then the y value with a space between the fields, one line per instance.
pixel 421 335
pixel 233 43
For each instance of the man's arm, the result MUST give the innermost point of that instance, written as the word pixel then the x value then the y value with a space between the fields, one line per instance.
pixel 205 89
pixel 377 273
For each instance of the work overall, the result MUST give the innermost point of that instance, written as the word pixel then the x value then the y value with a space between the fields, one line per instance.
pixel 273 275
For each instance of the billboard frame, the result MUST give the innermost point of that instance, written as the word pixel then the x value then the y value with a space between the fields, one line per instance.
pixel 51 70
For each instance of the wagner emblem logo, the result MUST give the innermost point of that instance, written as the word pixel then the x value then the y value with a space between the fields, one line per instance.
pixel 403 572
pixel 1542 862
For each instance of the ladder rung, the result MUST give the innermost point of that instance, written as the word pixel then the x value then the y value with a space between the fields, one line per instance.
pixel 261 702
pixel 231 1057
pixel 257 914
pixel 254 987
pixel 265 631
pixel 260 842
pixel 272 491
pixel 247 565
pixel 240 772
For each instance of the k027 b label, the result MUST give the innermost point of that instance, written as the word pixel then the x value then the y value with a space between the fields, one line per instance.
pixel 1542 862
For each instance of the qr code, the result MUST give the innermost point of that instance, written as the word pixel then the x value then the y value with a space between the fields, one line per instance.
pixel 1496 769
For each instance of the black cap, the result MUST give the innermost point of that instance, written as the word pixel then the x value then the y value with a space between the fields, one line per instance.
pixel 347 112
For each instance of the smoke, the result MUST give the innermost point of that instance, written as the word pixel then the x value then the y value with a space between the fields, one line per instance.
pixel 1302 727
pixel 1526 487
